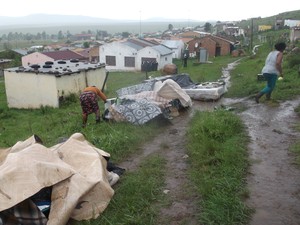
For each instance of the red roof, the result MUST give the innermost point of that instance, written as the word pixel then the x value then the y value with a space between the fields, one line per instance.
pixel 64 55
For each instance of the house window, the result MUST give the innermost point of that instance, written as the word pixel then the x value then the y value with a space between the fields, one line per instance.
pixel 110 60
pixel 129 61
pixel 166 59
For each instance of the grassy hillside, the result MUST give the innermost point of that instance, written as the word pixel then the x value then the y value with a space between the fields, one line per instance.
pixel 294 15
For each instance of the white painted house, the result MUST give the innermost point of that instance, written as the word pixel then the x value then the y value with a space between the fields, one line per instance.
pixel 118 56
pixel 177 46
pixel 158 53
pixel 129 55
pixel 46 84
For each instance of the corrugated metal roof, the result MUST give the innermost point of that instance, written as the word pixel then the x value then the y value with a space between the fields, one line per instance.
pixel 171 43
pixel 64 55
pixel 132 45
pixel 58 68
pixel 141 42
pixel 20 51
pixel 163 50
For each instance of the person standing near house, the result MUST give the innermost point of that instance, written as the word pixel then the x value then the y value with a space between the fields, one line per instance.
pixel 89 103
pixel 271 70
pixel 185 58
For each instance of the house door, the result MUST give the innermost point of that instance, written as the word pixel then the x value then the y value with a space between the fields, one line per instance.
pixel 149 64
pixel 218 51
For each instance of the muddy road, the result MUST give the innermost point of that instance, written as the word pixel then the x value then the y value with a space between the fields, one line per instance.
pixel 273 180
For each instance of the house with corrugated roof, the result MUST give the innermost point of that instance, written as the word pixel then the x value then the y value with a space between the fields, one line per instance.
pixel 215 46
pixel 41 57
pixel 158 54
pixel 177 47
pixel 129 55
pixel 119 56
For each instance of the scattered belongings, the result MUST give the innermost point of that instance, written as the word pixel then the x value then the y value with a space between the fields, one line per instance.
pixel 260 77
pixel 169 69
pixel 164 95
pixel 143 102
pixel 197 91
pixel 40 185
pixel 207 91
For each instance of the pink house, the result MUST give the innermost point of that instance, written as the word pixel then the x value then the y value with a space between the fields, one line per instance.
pixel 42 57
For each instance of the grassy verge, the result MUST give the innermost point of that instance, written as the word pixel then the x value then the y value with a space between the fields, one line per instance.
pixel 218 157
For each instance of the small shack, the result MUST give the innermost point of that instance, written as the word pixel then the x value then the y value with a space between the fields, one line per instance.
pixel 46 84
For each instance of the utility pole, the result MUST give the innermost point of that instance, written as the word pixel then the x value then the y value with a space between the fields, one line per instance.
pixel 140 24
pixel 251 38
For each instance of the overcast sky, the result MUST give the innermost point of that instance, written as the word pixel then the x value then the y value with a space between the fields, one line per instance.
pixel 223 10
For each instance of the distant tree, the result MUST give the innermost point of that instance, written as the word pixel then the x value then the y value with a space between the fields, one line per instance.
pixel 60 35
pixel 38 36
pixel 7 45
pixel 170 27
pixel 101 34
pixel 44 35
pixel 10 36
pixel 125 34
pixel 4 37
pixel 207 27
pixel 69 34
pixel 86 44
pixel 28 37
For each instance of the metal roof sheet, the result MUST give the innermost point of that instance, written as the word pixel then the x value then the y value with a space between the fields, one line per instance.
pixel 58 68
pixel 163 50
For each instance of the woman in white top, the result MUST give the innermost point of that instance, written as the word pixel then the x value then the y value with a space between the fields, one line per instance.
pixel 272 70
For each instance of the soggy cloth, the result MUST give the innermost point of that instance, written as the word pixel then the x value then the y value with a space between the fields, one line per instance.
pixel 141 103
pixel 75 169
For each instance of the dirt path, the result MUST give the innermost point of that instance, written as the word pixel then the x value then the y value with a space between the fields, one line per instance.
pixel 171 145
pixel 274 180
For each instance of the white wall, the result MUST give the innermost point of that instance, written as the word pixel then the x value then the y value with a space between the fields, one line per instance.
pixel 149 52
pixel 120 51
pixel 31 90
pixel 177 47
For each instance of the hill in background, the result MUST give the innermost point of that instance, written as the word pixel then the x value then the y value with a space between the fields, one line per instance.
pixel 76 24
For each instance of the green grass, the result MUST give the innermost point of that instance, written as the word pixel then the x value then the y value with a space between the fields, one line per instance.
pixel 218 157
pixel 244 78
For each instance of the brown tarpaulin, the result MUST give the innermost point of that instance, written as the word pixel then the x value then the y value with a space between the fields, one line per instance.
pixel 75 169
